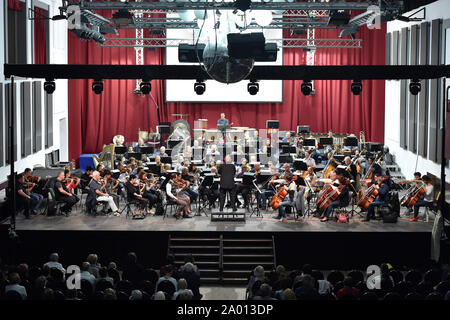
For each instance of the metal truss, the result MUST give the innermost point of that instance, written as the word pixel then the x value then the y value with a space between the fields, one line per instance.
pixel 219 4
pixel 285 42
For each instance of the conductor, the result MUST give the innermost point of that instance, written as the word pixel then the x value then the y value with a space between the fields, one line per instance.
pixel 227 173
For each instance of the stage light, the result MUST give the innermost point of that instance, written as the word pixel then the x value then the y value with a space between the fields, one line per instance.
pixel 306 88
pixel 415 87
pixel 145 87
pixel 97 86
pixel 49 86
pixel 199 87
pixel 356 87
pixel 253 87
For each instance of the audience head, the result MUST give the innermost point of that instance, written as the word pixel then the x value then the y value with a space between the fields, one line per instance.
pixel 14 278
pixel 85 266
pixel 182 284
pixel 159 296
pixel 289 294
pixel 54 257
pixel 258 272
pixel 189 267
pixel 132 257
pixel 92 259
pixel 136 295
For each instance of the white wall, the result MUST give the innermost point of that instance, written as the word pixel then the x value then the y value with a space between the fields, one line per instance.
pixel 407 160
pixel 57 54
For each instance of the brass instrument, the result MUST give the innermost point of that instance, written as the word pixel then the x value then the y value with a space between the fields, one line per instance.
pixel 104 160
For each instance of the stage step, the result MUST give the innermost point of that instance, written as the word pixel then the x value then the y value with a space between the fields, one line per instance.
pixel 228 215
pixel 231 260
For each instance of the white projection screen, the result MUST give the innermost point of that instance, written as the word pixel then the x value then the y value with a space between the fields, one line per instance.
pixel 183 90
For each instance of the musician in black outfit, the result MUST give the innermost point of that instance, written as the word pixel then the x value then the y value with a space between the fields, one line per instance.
pixel 342 200
pixel 62 194
pixel 243 188
pixel 227 172
pixel 382 199
pixel 376 168
pixel 86 177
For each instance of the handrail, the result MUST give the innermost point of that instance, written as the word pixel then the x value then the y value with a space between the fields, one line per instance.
pixel 221 259
pixel 274 252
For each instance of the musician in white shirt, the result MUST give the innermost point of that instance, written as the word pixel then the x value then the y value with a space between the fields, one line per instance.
pixel 310 162
pixel 427 200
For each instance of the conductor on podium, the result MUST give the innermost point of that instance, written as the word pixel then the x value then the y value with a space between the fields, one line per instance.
pixel 227 173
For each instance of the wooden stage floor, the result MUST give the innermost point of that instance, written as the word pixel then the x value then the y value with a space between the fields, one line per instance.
pixel 78 221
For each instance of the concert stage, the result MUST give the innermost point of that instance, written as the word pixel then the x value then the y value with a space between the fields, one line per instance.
pixel 354 245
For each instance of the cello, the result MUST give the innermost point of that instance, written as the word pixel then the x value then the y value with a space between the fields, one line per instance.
pixel 332 194
pixel 281 193
pixel 413 195
pixel 368 197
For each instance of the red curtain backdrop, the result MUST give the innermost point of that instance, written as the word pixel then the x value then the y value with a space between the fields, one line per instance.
pixel 40 43
pixel 95 119
pixel 15 5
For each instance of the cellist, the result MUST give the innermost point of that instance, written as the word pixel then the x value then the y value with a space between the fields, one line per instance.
pixel 427 200
pixel 289 199
pixel 342 200
pixel 382 198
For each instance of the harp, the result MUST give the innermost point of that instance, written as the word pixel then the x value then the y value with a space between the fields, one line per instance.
pixel 106 159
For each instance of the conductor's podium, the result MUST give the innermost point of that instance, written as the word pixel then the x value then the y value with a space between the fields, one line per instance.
pixel 228 215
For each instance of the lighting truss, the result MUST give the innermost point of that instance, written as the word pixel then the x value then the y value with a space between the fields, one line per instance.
pixel 285 42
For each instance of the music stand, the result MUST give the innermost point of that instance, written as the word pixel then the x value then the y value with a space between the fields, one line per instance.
pixel 166 160
pixel 309 142
pixel 326 141
pixel 120 149
pixel 148 150
pixel 350 142
pixel 303 129
pixel 285 158
pixel 300 165
pixel 136 155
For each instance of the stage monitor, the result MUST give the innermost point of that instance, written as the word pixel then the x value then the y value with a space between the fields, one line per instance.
pixel 147 150
pixel 272 124
pixel 303 129
pixel 326 141
pixel 350 142
pixel 120 149
pixel 309 142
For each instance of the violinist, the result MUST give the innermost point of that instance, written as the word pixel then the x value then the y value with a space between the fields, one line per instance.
pixel 30 200
pixel 189 180
pixel 134 192
pixel 111 186
pixel 427 200
pixel 289 199
pixel 159 164
pixel 242 188
pixel 86 177
pixel 174 190
pixel 343 198
pixel 122 168
pixel 382 198
pixel 33 182
pixel 287 170
pixel 71 183
pixel 148 190
pixel 99 189
pixel 62 194
pixel 29 177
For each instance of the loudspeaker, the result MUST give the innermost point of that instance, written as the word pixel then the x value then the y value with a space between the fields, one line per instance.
pixel 190 53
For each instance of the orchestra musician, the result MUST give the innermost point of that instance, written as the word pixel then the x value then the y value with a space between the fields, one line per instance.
pixel 427 200
pixel 227 173
pixel 159 164
pixel 30 201
pixel 32 183
pixel 374 168
pixel 86 177
pixel 289 199
pixel 161 152
pixel 342 200
pixel 242 188
pixel 288 138
pixel 222 124
pixel 112 187
pixel 62 194
pixel 174 189
pixel 351 168
pixel 99 168
pixel 99 189
pixel 134 192
pixel 382 198
pixel 310 162
pixel 71 183
pixel 189 191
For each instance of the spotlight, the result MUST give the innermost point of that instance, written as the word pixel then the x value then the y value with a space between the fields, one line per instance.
pixel 49 86
pixel 253 87
pixel 415 87
pixel 97 86
pixel 145 87
pixel 356 87
pixel 306 87
pixel 199 87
